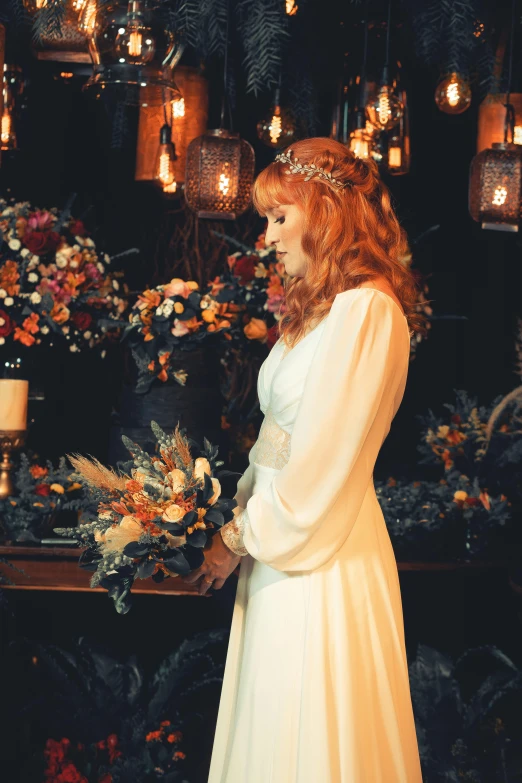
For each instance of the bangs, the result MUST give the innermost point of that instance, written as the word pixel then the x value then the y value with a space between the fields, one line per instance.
pixel 271 189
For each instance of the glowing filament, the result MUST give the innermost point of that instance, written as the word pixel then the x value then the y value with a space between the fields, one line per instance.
pixel 178 108
pixel 394 157
pixel 78 5
pixel 359 144
pixel 165 169
pixel 291 7
pixel 453 94
pixel 517 136
pixel 275 128
pixel 135 44
pixel 224 183
pixel 88 19
pixel 5 128
pixel 500 196
pixel 384 110
pixel 170 188
pixel 41 4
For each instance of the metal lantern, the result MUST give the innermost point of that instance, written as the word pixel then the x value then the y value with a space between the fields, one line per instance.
pixel 495 188
pixel 131 48
pixel 219 175
pixel 187 117
pixel 69 44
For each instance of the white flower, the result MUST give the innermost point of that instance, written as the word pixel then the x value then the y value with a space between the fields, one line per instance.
pixel 115 285
pixel 3 293
pixel 32 277
pixel 45 330
pixel 35 259
pixel 24 252
pixel 79 241
pixel 107 258
pixel 66 329
pixel 176 480
pixel 216 486
pixel 159 310
pixel 73 348
pixel 201 466
pixel 88 241
pixel 173 513
pixel 2 340
pixel 35 298
pixel 8 301
pixel 77 248
pixel 15 244
pixel 117 537
pixel 100 267
pixel 168 307
pixel 73 264
pixel 2 321
pixel 87 335
pixel 61 261
pixel 103 354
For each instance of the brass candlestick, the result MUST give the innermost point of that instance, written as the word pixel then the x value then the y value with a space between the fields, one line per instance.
pixel 10 441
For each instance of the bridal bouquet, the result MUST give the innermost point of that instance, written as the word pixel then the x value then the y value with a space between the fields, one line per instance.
pixel 153 522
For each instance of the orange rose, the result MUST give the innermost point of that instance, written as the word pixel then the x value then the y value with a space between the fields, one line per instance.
pixel 256 329
pixel 24 337
pixel 60 313
pixel 31 323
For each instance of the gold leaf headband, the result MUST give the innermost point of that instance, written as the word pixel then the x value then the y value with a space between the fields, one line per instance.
pixel 311 170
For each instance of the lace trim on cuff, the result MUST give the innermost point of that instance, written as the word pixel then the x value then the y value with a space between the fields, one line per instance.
pixel 232 533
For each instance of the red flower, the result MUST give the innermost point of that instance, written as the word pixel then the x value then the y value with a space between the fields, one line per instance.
pixel 245 269
pixel 272 336
pixel 6 324
pixel 70 774
pixel 42 489
pixel 42 242
pixel 107 778
pixel 77 228
pixel 82 321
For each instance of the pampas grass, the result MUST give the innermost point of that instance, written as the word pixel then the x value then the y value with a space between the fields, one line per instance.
pixel 97 475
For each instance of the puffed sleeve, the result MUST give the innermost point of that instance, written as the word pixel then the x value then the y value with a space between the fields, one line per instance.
pixel 352 389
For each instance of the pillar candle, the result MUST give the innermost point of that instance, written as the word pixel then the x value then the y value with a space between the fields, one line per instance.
pixel 13 404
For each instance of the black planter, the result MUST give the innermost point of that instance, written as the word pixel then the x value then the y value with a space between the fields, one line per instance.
pixel 196 406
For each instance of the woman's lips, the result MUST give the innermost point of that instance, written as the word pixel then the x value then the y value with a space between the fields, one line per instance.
pixel 281 252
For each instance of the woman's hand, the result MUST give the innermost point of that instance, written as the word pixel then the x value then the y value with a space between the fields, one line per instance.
pixel 219 563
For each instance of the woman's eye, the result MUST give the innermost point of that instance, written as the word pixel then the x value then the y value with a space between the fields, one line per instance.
pixel 279 220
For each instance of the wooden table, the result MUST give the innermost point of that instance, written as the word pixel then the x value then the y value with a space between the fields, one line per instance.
pixel 56 568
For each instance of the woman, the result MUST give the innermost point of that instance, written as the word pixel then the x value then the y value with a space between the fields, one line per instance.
pixel 316 685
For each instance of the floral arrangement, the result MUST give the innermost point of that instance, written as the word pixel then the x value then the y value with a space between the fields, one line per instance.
pixel 175 316
pixel 42 491
pixel 104 761
pixel 447 520
pixel 154 522
pixel 54 282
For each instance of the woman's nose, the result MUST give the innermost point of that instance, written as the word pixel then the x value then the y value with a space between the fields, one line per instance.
pixel 270 235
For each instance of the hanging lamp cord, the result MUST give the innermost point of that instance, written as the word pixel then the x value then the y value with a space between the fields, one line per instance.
pixel 509 124
pixel 225 74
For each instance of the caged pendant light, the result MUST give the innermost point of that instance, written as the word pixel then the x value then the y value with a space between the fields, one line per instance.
pixel 220 168
pixel 495 187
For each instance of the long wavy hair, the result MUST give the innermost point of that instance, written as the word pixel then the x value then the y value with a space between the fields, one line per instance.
pixel 350 235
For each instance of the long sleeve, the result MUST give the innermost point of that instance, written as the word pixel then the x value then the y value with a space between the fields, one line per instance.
pixel 352 389
pixel 232 532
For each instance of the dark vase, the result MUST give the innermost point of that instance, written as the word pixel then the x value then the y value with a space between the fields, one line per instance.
pixel 196 406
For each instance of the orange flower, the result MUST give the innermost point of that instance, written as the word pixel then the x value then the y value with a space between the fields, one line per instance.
pixel 60 313
pixel 256 329
pixel 454 437
pixel 149 299
pixel 179 755
pixel 24 337
pixel 164 358
pixel 8 278
pixel 484 499
pixel 37 471
pixel 31 323
pixel 153 736
pixel 165 723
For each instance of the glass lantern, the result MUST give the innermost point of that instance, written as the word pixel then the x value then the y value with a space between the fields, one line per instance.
pixel 495 187
pixel 277 129
pixel 130 47
pixel 219 175
pixel 398 158
pixel 453 93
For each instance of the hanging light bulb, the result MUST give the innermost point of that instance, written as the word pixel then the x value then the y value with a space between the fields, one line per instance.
pixel 385 111
pixel 453 93
pixel 178 108
pixel 165 157
pixel 277 129
pixel 360 139
pixel 398 160
pixel 135 42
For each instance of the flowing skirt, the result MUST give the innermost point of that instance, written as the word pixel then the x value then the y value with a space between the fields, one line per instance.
pixel 316 686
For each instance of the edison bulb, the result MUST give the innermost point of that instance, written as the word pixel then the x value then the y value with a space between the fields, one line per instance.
pixel 277 129
pixel 134 44
pixel 165 157
pixel 385 111
pixel 453 94
pixel 360 143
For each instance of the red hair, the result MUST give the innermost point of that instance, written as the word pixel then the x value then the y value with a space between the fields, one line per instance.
pixel 350 235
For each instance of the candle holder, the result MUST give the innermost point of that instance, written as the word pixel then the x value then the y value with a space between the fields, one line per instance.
pixel 10 441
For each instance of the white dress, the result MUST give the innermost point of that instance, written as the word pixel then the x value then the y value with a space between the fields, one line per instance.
pixel 316 686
